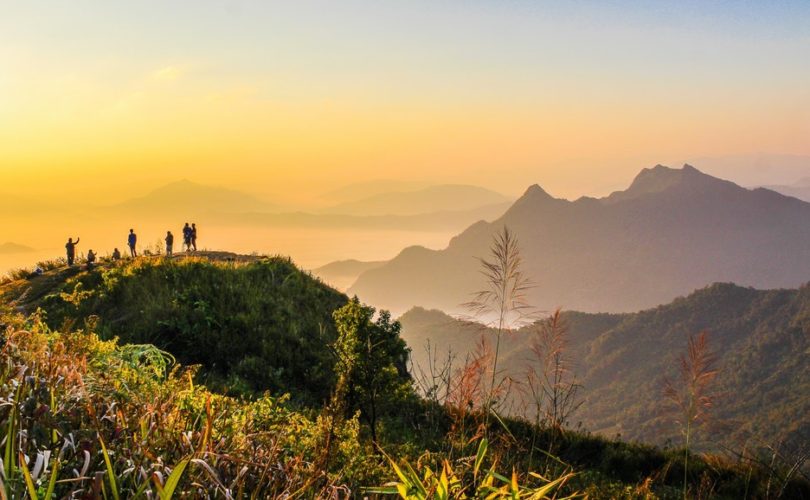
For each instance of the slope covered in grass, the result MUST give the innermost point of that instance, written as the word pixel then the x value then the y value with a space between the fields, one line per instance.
pixel 253 326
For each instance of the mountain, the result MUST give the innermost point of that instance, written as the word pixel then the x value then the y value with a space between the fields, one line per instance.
pixel 359 190
pixel 187 197
pixel 670 232
pixel 757 169
pixel 431 199
pixel 761 338
pixel 800 189
pixel 11 248
pixel 342 273
pixel 445 220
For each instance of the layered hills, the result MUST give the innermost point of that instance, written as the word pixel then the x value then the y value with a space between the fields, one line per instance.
pixel 670 232
pixel 761 339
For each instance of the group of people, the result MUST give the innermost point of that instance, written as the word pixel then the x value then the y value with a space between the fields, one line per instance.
pixel 189 245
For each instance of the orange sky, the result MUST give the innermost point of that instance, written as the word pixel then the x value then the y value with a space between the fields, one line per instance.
pixel 288 102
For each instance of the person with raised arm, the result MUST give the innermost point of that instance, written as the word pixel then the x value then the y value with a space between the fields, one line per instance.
pixel 70 247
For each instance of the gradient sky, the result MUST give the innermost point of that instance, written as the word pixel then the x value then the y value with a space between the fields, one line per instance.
pixel 288 99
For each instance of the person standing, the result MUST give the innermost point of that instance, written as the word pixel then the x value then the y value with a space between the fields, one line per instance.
pixel 70 247
pixel 187 237
pixel 132 241
pixel 169 243
pixel 194 236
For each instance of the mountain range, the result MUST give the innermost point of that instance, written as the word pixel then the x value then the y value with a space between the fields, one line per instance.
pixel 10 247
pixel 672 231
pixel 761 339
pixel 191 198
pixel 441 198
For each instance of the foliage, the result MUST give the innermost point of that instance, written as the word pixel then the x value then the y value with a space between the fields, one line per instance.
pixel 85 417
pixel 253 327
pixel 461 483
pixel 95 417
pixel 372 358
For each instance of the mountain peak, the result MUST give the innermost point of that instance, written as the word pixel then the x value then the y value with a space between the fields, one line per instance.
pixel 661 178
pixel 536 191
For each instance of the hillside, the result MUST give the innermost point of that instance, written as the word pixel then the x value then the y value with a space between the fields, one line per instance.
pixel 253 324
pixel 670 232
pixel 222 310
pixel 762 338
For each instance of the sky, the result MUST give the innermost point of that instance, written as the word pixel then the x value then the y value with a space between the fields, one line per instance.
pixel 287 99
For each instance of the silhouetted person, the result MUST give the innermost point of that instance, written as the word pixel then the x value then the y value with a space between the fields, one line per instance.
pixel 194 236
pixel 91 259
pixel 169 243
pixel 70 247
pixel 116 255
pixel 187 237
pixel 132 241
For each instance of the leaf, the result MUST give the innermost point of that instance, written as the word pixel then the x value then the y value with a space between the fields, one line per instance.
pixel 173 480
pixel 55 464
pixel 110 471
pixel 479 456
pixel 29 482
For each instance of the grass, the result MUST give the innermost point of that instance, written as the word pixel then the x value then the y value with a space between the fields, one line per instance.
pixel 83 413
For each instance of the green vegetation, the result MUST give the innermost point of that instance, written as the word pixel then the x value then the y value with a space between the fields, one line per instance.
pixel 759 338
pixel 253 326
pixel 85 414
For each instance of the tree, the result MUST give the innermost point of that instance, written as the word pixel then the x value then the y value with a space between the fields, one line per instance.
pixel 372 360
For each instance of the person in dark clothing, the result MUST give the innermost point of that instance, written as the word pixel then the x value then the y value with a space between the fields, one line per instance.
pixel 116 255
pixel 186 237
pixel 70 247
pixel 194 236
pixel 132 241
pixel 91 259
pixel 169 243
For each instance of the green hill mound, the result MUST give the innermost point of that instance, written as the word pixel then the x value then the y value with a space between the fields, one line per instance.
pixel 254 324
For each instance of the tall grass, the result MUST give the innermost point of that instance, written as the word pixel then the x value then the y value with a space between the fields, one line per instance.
pixel 691 393
pixel 503 297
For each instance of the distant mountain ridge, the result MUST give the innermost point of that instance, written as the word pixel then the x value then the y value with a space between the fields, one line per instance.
pixel 342 273
pixel 670 232
pixel 799 189
pixel 10 247
pixel 445 197
pixel 189 197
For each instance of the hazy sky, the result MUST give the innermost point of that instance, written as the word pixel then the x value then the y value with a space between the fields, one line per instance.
pixel 107 99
